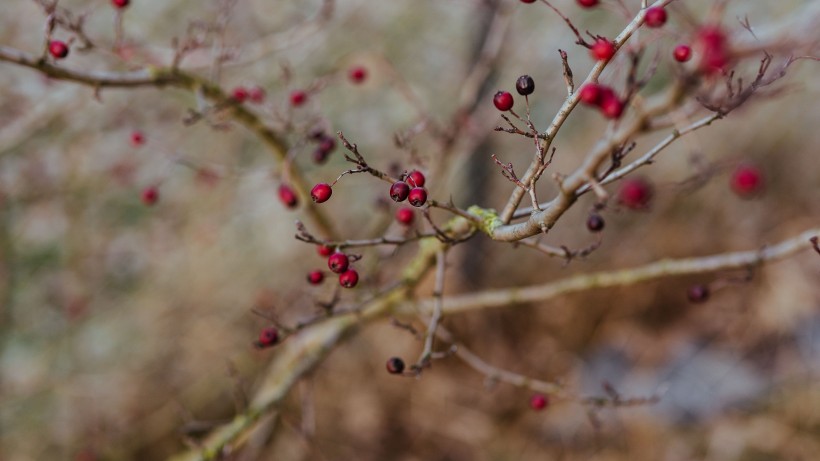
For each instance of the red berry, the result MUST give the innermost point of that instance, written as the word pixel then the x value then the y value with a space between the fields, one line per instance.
pixel 538 402
pixel 150 195
pixel 595 223
pixel 297 98
pixel 349 278
pixel 713 48
pixel 698 293
pixel 525 85
pixel 395 366
pixel 405 216
pixel 747 181
pixel 590 94
pixel 357 74
pixel 655 17
pixel 321 192
pixel 137 138
pixel 239 94
pixel 324 250
pixel 257 95
pixel 588 3
pixel 288 196
pixel 682 53
pixel 120 3
pixel 527 1
pixel 635 193
pixel 611 106
pixel 417 196
pixel 399 191
pixel 327 144
pixel 503 101
pixel 58 49
pixel 315 277
pixel 416 178
pixel 338 262
pixel 602 49
pixel 267 337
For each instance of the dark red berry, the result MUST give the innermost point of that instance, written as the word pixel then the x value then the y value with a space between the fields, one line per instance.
pixel 655 17
pixel 395 366
pixel 635 193
pixel 602 49
pixel 399 191
pixel 120 3
pixel 588 3
pixel 417 196
pixel 137 138
pixel 297 98
pixel 338 262
pixel 416 178
pixel 58 49
pixel 324 250
pixel 321 192
pixel 611 106
pixel 682 53
pixel 257 94
pixel 326 143
pixel 288 196
pixel 525 85
pixel 405 216
pixel 698 293
pixel 239 94
pixel 315 277
pixel 503 101
pixel 357 74
pixel 349 278
pixel 713 49
pixel 527 1
pixel 747 181
pixel 595 223
pixel 320 156
pixel 538 402
pixel 267 337
pixel 590 94
pixel 150 195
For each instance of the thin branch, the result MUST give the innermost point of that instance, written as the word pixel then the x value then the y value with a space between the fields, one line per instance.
pixel 432 326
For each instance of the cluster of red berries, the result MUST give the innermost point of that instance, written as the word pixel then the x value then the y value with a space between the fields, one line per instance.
pixel 325 146
pixel 410 188
pixel 338 263
pixel 255 94
pixel 602 97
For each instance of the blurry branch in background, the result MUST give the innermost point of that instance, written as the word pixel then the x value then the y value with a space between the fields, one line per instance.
pixel 177 78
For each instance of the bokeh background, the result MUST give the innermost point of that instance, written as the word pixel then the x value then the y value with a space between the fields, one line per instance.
pixel 126 331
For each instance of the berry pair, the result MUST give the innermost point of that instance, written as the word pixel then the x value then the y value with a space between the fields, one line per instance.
pixel 602 97
pixel 411 188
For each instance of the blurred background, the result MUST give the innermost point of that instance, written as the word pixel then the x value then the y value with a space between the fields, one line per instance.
pixel 126 330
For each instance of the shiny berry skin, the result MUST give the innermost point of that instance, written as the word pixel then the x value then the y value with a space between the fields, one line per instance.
pixel 58 49
pixel 525 85
pixel 288 196
pixel 324 250
pixel 590 94
pixel 399 191
pixel 405 216
pixel 267 337
pixel 338 262
pixel 349 278
pixel 611 106
pixel 315 277
pixel 321 192
pixel 682 53
pixel 357 74
pixel 239 94
pixel 698 293
pixel 416 178
pixel 120 3
pixel 297 98
pixel 503 101
pixel 150 195
pixel 417 196
pixel 395 366
pixel 257 94
pixel 635 193
pixel 137 138
pixel 595 223
pixel 655 17
pixel 587 3
pixel 602 49
pixel 747 181
pixel 538 402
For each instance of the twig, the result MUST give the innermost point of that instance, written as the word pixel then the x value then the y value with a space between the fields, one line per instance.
pixel 432 326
